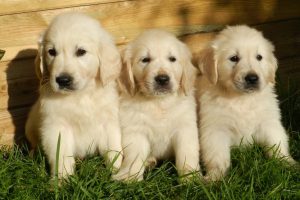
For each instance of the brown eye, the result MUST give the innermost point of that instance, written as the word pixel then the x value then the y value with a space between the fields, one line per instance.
pixel 234 58
pixel 80 52
pixel 146 60
pixel 259 57
pixel 52 52
pixel 172 59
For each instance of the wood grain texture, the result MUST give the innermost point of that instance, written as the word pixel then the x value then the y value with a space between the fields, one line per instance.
pixel 17 69
pixel 19 92
pixel 9 7
pixel 126 19
pixel 12 123
pixel 8 116
pixel 284 34
pixel 18 83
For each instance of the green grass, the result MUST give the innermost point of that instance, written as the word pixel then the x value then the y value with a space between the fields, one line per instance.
pixel 251 175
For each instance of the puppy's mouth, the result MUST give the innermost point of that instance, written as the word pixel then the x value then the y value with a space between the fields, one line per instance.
pixel 67 89
pixel 64 89
pixel 161 90
pixel 248 86
pixel 251 88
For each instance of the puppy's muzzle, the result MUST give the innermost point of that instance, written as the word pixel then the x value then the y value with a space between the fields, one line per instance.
pixel 162 80
pixel 251 81
pixel 64 81
pixel 162 84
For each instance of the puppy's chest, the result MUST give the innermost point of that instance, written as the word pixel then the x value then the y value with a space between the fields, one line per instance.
pixel 81 111
pixel 153 116
pixel 159 119
pixel 162 124
pixel 240 116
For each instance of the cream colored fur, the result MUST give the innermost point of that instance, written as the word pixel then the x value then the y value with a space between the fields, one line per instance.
pixel 230 114
pixel 85 116
pixel 157 124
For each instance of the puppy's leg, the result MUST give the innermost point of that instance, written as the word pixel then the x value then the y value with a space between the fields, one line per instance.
pixel 114 154
pixel 32 136
pixel 66 161
pixel 151 162
pixel 136 149
pixel 31 129
pixel 186 147
pixel 215 151
pixel 272 134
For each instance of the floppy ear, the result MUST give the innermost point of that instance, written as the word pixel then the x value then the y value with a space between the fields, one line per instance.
pixel 110 62
pixel 40 67
pixel 272 62
pixel 188 72
pixel 126 80
pixel 208 65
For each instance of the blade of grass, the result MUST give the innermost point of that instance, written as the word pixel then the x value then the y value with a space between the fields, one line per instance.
pixel 56 167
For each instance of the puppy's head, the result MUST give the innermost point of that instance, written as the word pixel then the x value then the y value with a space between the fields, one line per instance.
pixel 75 52
pixel 155 64
pixel 240 59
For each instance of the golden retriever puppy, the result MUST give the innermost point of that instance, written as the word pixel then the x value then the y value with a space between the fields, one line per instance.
pixel 237 101
pixel 78 64
pixel 157 108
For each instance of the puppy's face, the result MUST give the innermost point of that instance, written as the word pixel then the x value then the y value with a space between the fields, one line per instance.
pixel 73 53
pixel 243 60
pixel 158 62
pixel 156 66
pixel 72 61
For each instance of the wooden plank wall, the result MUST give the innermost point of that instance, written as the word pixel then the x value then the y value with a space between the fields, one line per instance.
pixel 194 21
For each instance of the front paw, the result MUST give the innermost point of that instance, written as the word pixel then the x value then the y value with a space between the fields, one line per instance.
pixel 127 177
pixel 151 163
pixel 117 163
pixel 213 176
pixel 114 160
pixel 190 177
pixel 64 170
pixel 290 162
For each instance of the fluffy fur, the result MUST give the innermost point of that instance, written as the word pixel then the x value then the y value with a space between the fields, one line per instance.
pixel 158 119
pixel 237 101
pixel 83 110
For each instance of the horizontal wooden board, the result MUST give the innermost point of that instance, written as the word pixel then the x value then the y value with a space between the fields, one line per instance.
pixel 17 69
pixel 9 116
pixel 21 6
pixel 18 92
pixel 5 139
pixel 126 19
pixel 12 125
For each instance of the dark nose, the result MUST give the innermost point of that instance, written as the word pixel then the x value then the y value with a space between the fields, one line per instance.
pixel 64 80
pixel 251 79
pixel 162 79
